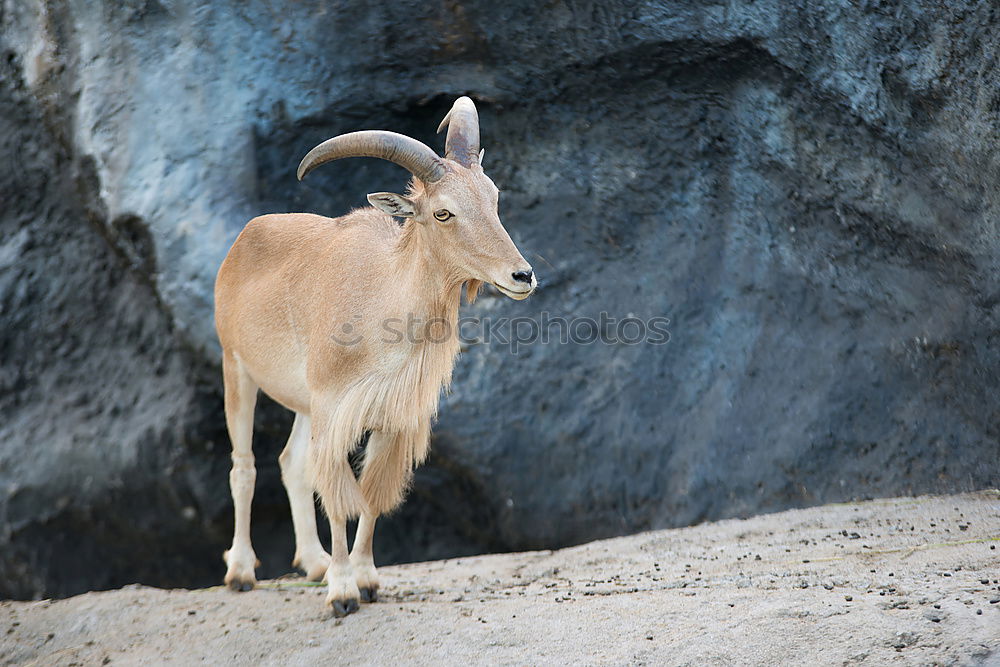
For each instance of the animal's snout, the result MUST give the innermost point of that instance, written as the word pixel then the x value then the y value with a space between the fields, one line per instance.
pixel 521 276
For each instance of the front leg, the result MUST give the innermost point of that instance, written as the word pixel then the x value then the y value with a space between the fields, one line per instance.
pixel 362 560
pixel 341 496
pixel 342 590
pixel 389 461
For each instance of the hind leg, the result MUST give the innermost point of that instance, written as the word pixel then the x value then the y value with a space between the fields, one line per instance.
pixel 309 553
pixel 241 397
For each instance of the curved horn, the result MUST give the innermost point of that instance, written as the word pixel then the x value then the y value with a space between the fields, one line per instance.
pixel 408 153
pixel 462 144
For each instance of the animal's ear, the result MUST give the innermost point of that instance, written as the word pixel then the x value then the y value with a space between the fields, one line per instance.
pixel 393 204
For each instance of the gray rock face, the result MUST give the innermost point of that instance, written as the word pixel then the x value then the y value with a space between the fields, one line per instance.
pixel 806 190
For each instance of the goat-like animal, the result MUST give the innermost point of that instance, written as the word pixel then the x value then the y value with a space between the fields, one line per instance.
pixel 351 323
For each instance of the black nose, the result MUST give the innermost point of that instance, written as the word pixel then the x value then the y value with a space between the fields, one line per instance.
pixel 522 276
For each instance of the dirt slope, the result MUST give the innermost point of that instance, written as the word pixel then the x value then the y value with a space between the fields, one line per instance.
pixel 906 581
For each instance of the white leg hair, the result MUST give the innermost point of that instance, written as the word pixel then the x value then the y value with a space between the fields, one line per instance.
pixel 241 397
pixel 309 553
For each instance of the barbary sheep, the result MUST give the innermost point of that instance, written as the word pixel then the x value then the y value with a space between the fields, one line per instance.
pixel 303 306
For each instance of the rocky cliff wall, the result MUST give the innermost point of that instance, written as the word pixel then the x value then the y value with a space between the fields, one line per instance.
pixel 806 190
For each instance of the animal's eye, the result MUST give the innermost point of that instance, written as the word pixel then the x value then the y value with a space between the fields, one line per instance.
pixel 442 215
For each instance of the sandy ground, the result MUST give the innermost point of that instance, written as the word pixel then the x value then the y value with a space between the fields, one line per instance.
pixel 913 581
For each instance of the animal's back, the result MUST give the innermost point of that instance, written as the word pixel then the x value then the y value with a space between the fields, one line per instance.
pixel 277 284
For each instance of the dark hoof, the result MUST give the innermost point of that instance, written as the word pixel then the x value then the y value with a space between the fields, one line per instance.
pixel 241 586
pixel 342 608
pixel 369 594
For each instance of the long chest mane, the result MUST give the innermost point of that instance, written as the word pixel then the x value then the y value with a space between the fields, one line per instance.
pixel 401 392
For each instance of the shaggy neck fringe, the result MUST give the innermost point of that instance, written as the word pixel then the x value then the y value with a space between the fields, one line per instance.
pixel 402 399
